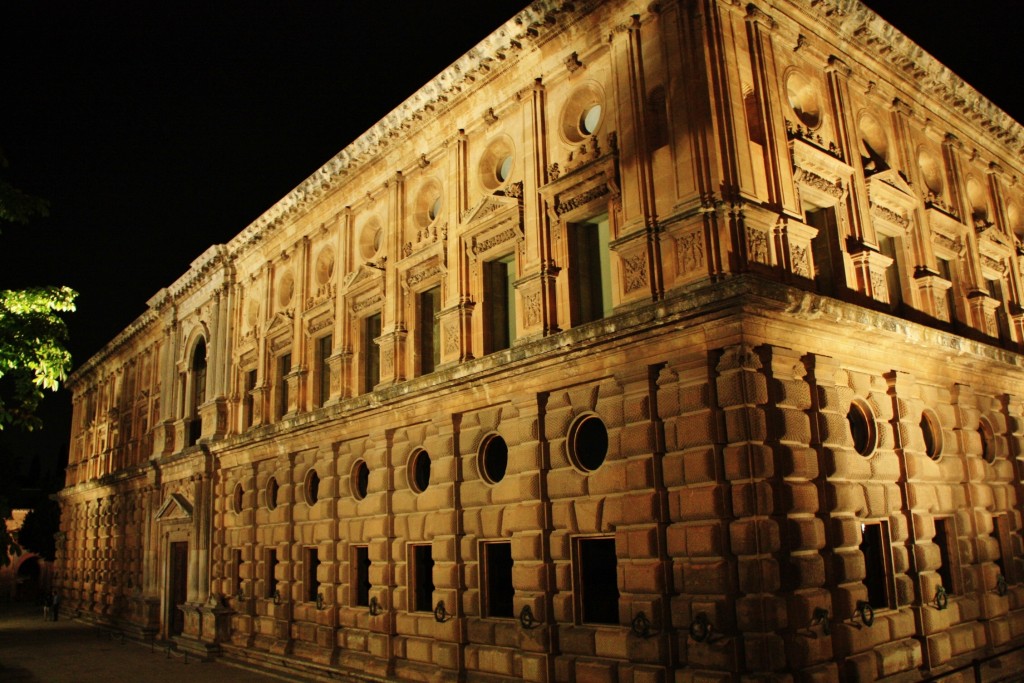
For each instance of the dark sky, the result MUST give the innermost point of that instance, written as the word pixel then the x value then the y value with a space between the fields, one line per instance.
pixel 158 128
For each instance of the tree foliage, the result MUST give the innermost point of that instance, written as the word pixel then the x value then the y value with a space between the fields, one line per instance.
pixel 32 352
pixel 33 355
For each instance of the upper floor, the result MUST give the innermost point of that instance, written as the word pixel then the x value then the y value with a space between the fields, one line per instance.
pixel 583 162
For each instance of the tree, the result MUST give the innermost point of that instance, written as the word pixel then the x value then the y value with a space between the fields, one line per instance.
pixel 33 355
pixel 38 529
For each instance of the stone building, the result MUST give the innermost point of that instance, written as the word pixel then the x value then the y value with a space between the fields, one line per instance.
pixel 647 342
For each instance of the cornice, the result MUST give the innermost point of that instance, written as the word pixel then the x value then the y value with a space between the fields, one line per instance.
pixel 137 326
pixel 855 23
pixel 496 53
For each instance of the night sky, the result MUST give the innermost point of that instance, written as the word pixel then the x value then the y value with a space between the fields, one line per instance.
pixel 157 128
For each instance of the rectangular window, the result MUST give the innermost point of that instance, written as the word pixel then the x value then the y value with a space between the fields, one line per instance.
pixel 875 546
pixel 324 347
pixel 590 270
pixel 824 247
pixel 1001 532
pixel 270 565
pixel 422 578
pixel 371 352
pixel 945 539
pixel 597 578
pixel 498 577
pixel 499 304
pixel 236 571
pixel 284 366
pixel 995 290
pixel 946 271
pixel 249 399
pixel 889 246
pixel 311 562
pixel 429 330
pixel 361 576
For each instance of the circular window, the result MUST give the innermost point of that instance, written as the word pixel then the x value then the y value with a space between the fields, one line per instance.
pixel 931 172
pixel 874 145
pixel 427 205
pixel 496 163
pixel 979 202
pixel 588 443
pixel 324 266
pixel 285 289
pixel 237 498
pixel 360 479
pixel 504 169
pixel 581 114
pixel 493 458
pixel 803 98
pixel 862 427
pixel 419 471
pixel 988 442
pixel 312 487
pixel 932 433
pixel 371 238
pixel 435 209
pixel 590 119
pixel 272 493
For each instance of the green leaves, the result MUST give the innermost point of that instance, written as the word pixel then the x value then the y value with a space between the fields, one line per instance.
pixel 32 352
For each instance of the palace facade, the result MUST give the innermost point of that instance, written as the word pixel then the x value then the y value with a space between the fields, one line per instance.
pixel 648 342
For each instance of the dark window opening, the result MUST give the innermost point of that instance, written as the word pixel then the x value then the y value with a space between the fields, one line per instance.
pixel 362 480
pixel 250 400
pixel 825 248
pixel 498 571
pixel 284 366
pixel 590 270
pixel 271 572
pixel 362 576
pixel 325 345
pixel 499 304
pixel 995 290
pixel 945 538
pixel 873 545
pixel 371 352
pixel 945 269
pixel 429 330
pixel 311 563
pixel 421 471
pixel 494 458
pixel 755 126
pixel 598 578
pixel 198 392
pixel 423 578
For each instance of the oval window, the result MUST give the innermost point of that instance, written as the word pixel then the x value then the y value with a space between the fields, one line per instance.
pixel 312 487
pixel 360 479
pixel 237 498
pixel 588 443
pixel 493 458
pixel 932 434
pixel 504 169
pixel 988 445
pixel 862 428
pixel 419 471
pixel 272 493
pixel 590 119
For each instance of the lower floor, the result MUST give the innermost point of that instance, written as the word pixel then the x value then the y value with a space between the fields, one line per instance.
pixel 759 488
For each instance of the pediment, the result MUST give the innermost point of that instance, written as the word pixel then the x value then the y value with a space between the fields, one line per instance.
pixel 175 508
pixel 893 179
pixel 279 321
pixel 363 273
pixel 584 190
pixel 491 208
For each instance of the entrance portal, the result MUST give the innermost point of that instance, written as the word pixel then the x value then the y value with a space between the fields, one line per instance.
pixel 178 586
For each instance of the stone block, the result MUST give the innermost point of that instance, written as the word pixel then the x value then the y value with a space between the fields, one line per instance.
pixel 705 578
pixel 577 640
pixel 805 533
pixel 940 650
pixel 699 503
pixel 592 671
pixel 899 656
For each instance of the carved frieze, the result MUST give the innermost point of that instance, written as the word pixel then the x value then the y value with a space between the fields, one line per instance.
pixel 532 309
pixel 801 264
pixel 690 252
pixel 810 179
pixel 757 246
pixel 634 270
pixel 584 190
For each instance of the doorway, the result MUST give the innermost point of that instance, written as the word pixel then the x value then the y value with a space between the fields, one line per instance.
pixel 178 592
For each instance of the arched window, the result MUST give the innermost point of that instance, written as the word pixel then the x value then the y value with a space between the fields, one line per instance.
pixel 198 398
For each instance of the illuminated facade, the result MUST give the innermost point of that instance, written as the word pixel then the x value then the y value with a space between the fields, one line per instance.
pixel 647 342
